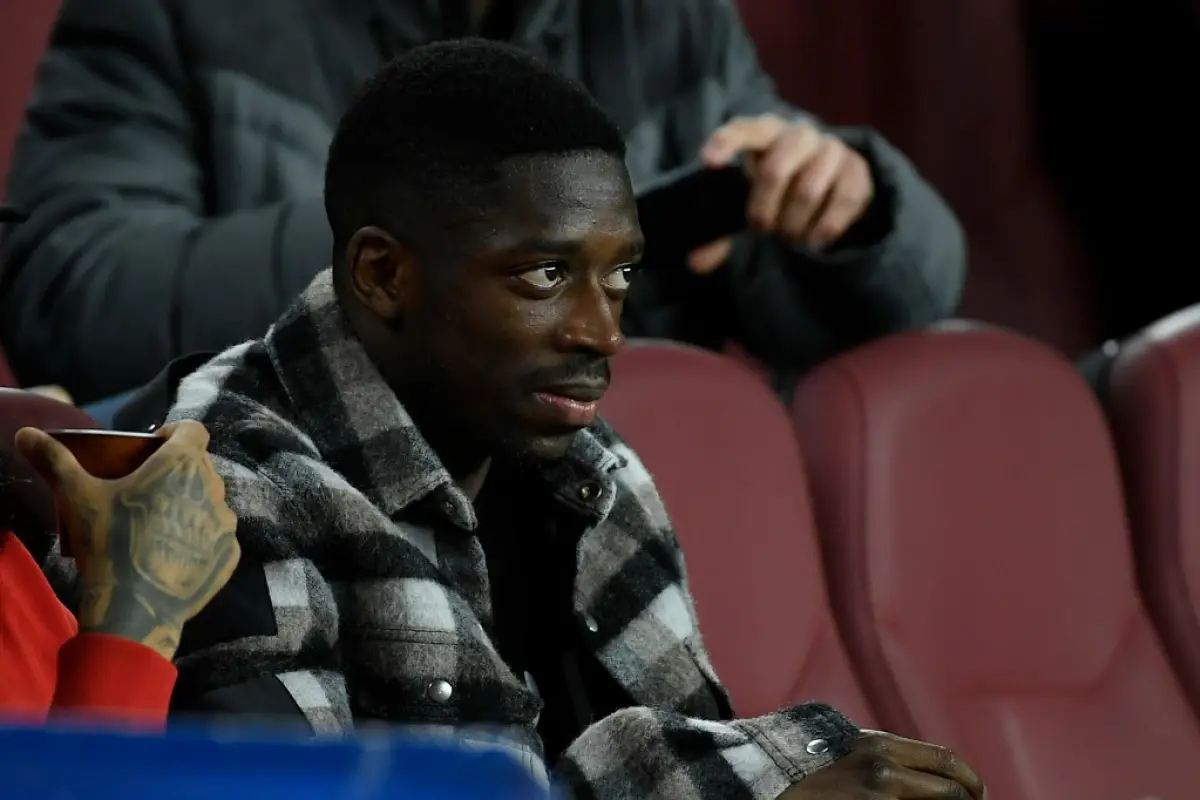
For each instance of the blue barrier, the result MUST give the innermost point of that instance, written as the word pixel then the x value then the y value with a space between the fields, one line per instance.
pixel 208 763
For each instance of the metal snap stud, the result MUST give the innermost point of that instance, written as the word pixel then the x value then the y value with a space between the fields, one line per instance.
pixel 439 691
pixel 817 747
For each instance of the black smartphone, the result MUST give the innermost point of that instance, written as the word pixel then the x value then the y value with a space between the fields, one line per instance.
pixel 690 207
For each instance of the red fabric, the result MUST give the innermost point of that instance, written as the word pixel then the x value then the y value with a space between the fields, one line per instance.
pixel 24 28
pixel 967 497
pixel 1153 394
pixel 45 666
pixel 753 563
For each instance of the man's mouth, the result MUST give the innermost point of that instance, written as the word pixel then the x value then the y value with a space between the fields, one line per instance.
pixel 573 404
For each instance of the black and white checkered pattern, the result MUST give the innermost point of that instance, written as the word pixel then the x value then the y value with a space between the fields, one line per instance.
pixel 379 616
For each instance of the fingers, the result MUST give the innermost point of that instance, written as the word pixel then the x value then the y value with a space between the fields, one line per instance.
pixel 846 202
pixel 804 192
pixel 708 258
pixel 809 188
pixel 928 758
pixel 186 447
pixel 908 784
pixel 742 135
pixel 52 460
pixel 775 172
pixel 185 433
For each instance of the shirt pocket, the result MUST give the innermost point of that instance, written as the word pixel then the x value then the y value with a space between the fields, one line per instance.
pixel 413 675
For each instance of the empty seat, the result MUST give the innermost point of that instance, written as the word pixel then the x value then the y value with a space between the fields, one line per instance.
pixel 1154 402
pixel 721 449
pixel 966 491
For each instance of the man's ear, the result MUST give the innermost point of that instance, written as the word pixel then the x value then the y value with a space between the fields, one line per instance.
pixel 382 272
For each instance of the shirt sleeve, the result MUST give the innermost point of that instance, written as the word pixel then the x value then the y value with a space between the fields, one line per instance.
pixel 113 679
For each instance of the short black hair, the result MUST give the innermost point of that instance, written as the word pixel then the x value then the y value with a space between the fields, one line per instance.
pixel 438 121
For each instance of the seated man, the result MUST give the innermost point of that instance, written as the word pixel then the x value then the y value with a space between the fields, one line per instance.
pixel 173 156
pixel 438 530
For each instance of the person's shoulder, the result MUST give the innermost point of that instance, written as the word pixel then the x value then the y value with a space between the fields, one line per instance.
pixel 240 399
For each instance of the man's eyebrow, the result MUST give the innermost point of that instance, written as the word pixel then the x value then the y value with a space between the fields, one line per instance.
pixel 563 247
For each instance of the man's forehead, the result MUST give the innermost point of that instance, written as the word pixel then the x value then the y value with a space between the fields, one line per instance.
pixel 581 178
pixel 562 199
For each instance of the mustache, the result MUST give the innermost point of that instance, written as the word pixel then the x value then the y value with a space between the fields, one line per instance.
pixel 579 369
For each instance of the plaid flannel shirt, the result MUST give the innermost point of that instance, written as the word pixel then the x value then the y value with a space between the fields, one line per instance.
pixel 381 617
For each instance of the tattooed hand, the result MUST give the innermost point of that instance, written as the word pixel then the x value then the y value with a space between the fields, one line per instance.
pixel 152 547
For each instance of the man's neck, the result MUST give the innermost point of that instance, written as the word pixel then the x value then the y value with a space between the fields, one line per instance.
pixel 472 483
pixel 468 465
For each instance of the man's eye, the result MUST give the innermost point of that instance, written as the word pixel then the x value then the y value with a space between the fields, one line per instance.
pixel 544 276
pixel 621 277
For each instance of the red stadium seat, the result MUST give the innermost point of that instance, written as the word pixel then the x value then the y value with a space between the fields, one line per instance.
pixel 723 455
pixel 978 557
pixel 24 31
pixel 1154 403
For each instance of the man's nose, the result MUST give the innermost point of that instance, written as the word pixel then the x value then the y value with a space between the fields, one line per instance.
pixel 594 324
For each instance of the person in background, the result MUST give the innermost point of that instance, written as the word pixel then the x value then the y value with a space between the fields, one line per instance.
pixel 173 156
pixel 102 411
pixel 152 549
pixel 445 535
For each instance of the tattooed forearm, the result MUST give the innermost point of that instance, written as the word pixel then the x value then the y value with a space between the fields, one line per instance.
pixel 154 552
pixel 131 616
pixel 176 560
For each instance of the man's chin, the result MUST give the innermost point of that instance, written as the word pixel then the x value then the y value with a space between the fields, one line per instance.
pixel 542 449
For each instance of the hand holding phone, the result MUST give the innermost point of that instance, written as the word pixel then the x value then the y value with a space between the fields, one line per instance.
pixel 690 207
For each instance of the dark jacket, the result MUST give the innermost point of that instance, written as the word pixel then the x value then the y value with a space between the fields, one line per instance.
pixel 173 165
pixel 362 595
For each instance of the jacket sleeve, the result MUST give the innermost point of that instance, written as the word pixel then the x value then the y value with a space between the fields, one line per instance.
pixel 643 752
pixel 902 266
pixel 118 269
pixel 114 679
pixel 658 752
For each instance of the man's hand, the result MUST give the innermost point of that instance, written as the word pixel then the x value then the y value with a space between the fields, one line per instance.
pixel 886 767
pixel 808 187
pixel 152 547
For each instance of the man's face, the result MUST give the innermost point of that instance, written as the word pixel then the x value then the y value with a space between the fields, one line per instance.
pixel 517 334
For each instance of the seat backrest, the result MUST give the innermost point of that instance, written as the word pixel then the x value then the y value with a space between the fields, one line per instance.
pixel 27 507
pixel 24 30
pixel 1153 398
pixel 966 491
pixel 721 450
